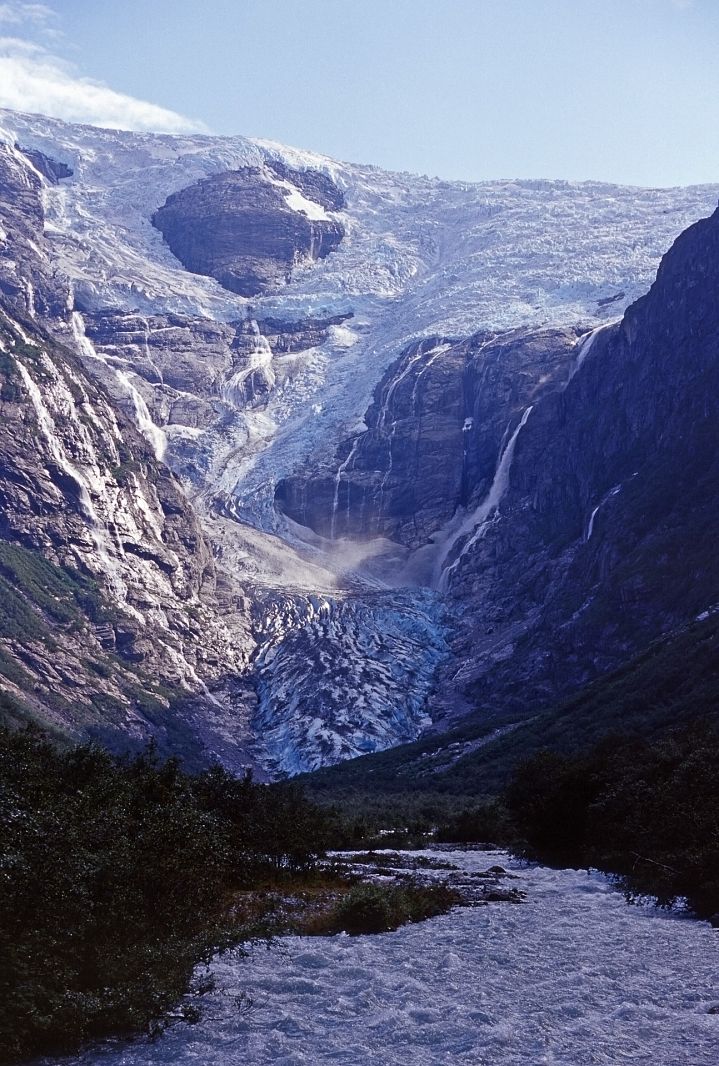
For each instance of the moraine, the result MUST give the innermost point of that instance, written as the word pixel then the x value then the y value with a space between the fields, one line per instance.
pixel 574 975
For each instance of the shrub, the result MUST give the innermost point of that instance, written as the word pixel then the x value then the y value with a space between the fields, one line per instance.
pixel 485 823
pixel 645 810
pixel 377 908
pixel 114 879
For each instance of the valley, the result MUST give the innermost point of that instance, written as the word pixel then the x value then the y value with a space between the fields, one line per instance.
pixel 386 403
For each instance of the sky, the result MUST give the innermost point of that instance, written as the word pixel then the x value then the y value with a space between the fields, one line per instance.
pixel 613 90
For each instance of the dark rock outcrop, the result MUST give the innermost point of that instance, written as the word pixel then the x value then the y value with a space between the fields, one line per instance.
pixel 239 228
pixel 315 185
pixel 193 373
pixel 435 429
pixel 287 337
pixel 27 277
pixel 605 540
pixel 53 170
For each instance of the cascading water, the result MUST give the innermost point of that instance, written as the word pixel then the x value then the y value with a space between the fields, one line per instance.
pixel 434 354
pixel 86 481
pixel 479 518
pixel 143 420
pixel 593 515
pixel 46 425
pixel 585 345
pixel 338 478
pixel 241 387
pixel 387 473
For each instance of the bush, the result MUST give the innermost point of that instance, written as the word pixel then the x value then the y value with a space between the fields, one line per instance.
pixel 647 811
pixel 485 823
pixel 114 879
pixel 376 908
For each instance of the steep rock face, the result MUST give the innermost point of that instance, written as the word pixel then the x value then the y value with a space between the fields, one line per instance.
pixel 26 273
pixel 111 615
pixel 435 429
pixel 53 170
pixel 250 227
pixel 194 375
pixel 604 539
pixel 237 394
pixel 287 337
pixel 316 186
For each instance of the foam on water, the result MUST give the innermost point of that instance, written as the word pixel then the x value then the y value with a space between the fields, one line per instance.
pixel 573 977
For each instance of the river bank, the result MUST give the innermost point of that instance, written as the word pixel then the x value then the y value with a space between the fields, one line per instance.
pixel 572 975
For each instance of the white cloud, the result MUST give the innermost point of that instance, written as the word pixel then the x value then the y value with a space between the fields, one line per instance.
pixel 33 79
pixel 15 13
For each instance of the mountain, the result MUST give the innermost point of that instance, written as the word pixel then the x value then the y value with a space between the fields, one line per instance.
pixel 114 618
pixel 323 457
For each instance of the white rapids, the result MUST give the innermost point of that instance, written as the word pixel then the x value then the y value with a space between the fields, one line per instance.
pixel 572 977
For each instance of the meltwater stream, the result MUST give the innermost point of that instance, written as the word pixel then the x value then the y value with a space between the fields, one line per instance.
pixel 574 976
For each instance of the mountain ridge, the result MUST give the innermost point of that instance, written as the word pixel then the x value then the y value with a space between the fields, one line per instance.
pixel 390 378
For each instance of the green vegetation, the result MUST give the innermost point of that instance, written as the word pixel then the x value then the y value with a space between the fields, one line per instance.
pixel 34 591
pixel 378 908
pixel 11 389
pixel 117 878
pixel 623 776
pixel 47 611
pixel 124 471
pixel 673 682
pixel 485 823
pixel 647 811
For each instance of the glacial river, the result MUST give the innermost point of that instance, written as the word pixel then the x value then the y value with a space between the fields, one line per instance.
pixel 573 976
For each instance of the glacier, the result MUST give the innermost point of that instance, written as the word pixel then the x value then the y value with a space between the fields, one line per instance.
pixel 421 258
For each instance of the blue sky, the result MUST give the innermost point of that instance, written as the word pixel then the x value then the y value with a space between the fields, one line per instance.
pixel 617 90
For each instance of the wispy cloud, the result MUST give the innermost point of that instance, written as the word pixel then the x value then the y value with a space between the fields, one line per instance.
pixel 33 78
pixel 15 13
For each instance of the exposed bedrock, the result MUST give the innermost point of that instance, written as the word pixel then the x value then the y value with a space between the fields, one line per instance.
pixel 27 277
pixel 435 428
pixel 194 374
pixel 249 228
pixel 53 170
pixel 605 537
pixel 113 613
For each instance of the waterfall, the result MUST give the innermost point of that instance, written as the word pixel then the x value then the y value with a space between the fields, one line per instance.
pixel 258 355
pixel 143 420
pixel 338 478
pixel 97 528
pixel 47 427
pixel 593 515
pixel 388 471
pixel 479 519
pixel 146 331
pixel 585 345
pixel 434 354
pixel 393 385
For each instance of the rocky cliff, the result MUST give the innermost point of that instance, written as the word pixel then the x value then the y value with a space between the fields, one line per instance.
pixel 325 455
pixel 603 540
pixel 434 431
pixel 249 228
pixel 114 620
pixel 557 488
